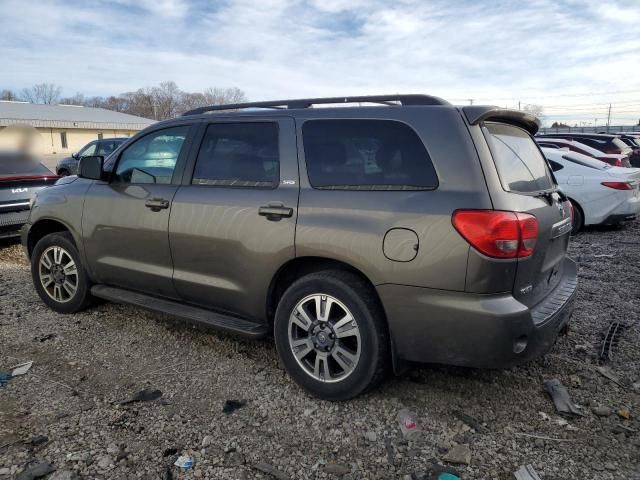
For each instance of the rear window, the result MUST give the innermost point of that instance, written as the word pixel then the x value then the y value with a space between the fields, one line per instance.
pixel 21 165
pixel 520 165
pixel 366 155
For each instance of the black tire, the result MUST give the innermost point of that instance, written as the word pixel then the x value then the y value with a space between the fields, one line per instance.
pixel 63 172
pixel 82 297
pixel 364 306
pixel 578 218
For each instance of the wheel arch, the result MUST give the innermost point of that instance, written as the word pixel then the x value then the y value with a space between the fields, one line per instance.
pixel 44 227
pixel 301 266
pixel 577 204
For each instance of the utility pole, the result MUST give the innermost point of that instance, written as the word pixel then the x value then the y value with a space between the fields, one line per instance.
pixel 609 118
pixel 518 104
pixel 471 101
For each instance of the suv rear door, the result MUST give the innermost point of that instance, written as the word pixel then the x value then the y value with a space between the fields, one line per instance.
pixel 526 184
pixel 233 220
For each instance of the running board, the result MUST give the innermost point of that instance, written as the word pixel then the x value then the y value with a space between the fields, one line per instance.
pixel 182 311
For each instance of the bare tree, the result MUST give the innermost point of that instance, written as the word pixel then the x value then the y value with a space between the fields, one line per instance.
pixel 47 93
pixel 7 94
pixel 77 99
pixel 535 110
pixel 222 96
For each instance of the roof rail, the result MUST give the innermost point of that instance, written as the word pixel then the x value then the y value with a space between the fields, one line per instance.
pixel 403 100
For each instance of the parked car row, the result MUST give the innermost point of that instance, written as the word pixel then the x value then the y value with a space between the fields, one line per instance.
pixel 104 147
pixel 619 150
pixel 597 173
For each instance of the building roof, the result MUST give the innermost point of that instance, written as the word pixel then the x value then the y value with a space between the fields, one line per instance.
pixel 68 116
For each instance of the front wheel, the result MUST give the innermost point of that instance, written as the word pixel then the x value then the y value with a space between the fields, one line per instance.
pixel 58 275
pixel 331 335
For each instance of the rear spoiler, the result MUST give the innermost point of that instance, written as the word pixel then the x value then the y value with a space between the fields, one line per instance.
pixel 479 113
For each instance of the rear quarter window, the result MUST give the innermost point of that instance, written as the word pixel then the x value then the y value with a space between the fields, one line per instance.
pixel 366 155
pixel 521 167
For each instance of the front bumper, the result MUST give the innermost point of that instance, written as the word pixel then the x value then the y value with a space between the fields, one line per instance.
pixel 466 329
pixel 12 222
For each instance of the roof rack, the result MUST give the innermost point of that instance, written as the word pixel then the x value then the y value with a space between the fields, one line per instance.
pixel 402 100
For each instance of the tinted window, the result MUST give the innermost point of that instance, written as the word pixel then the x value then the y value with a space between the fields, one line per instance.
pixel 366 155
pixel 20 165
pixel 152 158
pixel 239 155
pixel 521 166
pixel 555 166
pixel 106 147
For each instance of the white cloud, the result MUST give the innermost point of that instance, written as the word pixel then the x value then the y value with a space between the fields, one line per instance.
pixel 494 52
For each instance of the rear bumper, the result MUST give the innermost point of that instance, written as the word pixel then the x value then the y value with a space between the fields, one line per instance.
pixel 488 331
pixel 12 222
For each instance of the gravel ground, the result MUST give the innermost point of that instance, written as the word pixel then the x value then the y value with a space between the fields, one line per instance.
pixel 85 364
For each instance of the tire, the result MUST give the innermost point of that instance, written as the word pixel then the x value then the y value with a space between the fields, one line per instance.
pixel 578 219
pixel 54 256
pixel 63 172
pixel 349 358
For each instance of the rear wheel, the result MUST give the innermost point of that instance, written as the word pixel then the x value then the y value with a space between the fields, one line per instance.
pixel 330 334
pixel 578 219
pixel 58 275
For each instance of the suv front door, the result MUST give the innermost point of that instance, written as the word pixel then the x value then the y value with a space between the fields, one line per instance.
pixel 232 222
pixel 125 220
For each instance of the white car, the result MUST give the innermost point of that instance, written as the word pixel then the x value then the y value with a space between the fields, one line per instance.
pixel 600 194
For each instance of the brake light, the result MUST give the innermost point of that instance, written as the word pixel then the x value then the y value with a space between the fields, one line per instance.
pixel 498 234
pixel 618 185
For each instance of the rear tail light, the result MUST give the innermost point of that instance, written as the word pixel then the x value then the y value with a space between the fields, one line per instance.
pixel 618 185
pixel 498 234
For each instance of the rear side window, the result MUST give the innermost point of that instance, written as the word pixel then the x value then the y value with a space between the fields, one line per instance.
pixel 239 155
pixel 366 155
pixel 520 165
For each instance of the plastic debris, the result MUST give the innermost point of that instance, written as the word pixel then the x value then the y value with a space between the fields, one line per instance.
pixel 231 406
pixel 271 470
pixel 560 397
pixel 606 372
pixel 15 372
pixel 526 472
pixel 436 472
pixel 146 395
pixel 184 461
pixel 39 440
pixel 408 424
pixel 21 369
pixel 34 471
pixel 624 413
pixel 471 421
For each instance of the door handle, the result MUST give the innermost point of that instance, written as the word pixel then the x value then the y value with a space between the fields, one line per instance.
pixel 156 204
pixel 275 212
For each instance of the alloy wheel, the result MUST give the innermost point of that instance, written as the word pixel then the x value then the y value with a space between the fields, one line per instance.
pixel 324 337
pixel 58 274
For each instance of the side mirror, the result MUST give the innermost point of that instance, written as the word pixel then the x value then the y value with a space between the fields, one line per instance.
pixel 91 167
pixel 74 155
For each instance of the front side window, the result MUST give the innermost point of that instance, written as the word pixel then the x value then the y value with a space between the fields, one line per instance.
pixel 520 165
pixel 88 150
pixel 239 155
pixel 106 147
pixel 366 155
pixel 152 158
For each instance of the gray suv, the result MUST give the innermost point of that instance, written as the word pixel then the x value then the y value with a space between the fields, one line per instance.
pixel 103 147
pixel 363 237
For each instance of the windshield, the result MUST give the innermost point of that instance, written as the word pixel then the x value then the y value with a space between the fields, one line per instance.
pixel 520 165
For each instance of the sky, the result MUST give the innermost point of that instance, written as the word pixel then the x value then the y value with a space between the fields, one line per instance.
pixel 572 57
